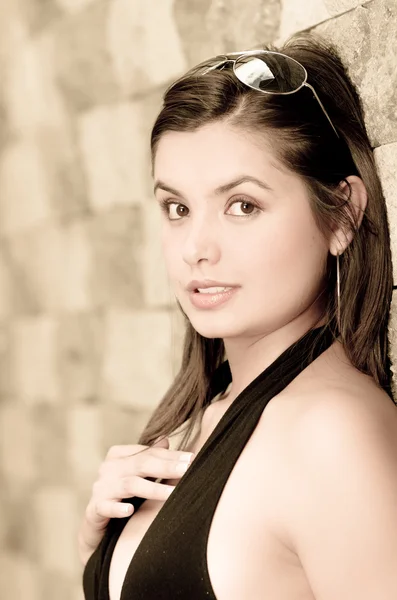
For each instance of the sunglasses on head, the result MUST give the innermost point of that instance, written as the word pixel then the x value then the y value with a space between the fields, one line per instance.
pixel 269 73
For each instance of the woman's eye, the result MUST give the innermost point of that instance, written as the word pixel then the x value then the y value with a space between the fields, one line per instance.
pixel 244 205
pixel 165 207
pixel 179 210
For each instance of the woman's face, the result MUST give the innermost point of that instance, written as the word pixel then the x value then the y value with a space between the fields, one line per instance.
pixel 237 216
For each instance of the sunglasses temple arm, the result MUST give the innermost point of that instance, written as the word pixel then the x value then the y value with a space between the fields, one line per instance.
pixel 322 107
pixel 218 64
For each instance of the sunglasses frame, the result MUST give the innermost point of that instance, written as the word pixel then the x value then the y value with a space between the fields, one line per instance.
pixel 226 58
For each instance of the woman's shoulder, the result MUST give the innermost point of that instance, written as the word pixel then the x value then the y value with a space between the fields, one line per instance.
pixel 339 388
pixel 328 426
pixel 334 414
pixel 330 393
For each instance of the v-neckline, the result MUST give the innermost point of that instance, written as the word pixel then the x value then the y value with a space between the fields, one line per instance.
pixel 223 376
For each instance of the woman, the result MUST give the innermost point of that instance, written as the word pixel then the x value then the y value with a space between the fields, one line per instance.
pixel 276 241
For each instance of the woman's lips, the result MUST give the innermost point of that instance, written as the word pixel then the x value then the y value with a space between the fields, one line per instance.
pixel 206 300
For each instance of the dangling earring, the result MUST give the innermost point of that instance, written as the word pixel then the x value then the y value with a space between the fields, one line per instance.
pixel 338 287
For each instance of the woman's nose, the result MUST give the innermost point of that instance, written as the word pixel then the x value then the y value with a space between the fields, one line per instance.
pixel 201 243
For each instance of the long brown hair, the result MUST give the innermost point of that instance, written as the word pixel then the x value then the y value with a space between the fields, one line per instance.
pixel 306 144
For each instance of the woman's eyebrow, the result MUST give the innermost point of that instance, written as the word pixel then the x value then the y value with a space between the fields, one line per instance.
pixel 243 179
pixel 222 189
pixel 160 185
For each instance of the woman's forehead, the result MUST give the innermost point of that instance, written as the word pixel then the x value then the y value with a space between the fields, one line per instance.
pixel 217 148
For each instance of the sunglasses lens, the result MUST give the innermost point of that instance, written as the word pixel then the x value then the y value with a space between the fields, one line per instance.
pixel 272 73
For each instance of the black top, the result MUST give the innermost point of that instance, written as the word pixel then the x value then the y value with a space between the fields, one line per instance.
pixel 170 561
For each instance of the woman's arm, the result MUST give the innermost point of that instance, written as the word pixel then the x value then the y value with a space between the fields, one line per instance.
pixel 343 463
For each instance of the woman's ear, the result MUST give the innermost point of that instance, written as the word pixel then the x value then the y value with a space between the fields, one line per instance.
pixel 355 192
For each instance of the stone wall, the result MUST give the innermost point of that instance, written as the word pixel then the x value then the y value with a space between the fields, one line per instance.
pixel 89 336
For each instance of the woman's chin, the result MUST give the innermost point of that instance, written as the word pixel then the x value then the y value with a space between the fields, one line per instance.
pixel 214 330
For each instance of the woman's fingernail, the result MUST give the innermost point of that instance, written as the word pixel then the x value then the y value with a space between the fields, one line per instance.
pixel 186 457
pixel 182 467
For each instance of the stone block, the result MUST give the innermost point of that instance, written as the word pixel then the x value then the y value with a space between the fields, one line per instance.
pixel 211 27
pixel 79 355
pixel 20 534
pixel 5 133
pixel 30 76
pixel 144 44
pixel 137 362
pixel 56 585
pixel 40 14
pixel 114 147
pixel 6 384
pixel 6 288
pixel 55 509
pixel 24 297
pixel 157 288
pixel 77 263
pixel 122 425
pixel 74 6
pixel 51 445
pixel 84 444
pixel 24 201
pixel 82 63
pixel 17 447
pixel 296 16
pixel 365 38
pixel 44 120
pixel 66 182
pixel 51 266
pixel 386 162
pixel 147 111
pixel 337 7
pixel 13 32
pixel 37 261
pixel 33 343
pixel 393 344
pixel 116 243
pixel 3 525
pixel 19 578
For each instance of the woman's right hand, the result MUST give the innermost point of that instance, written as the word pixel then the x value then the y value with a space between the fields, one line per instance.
pixel 122 475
